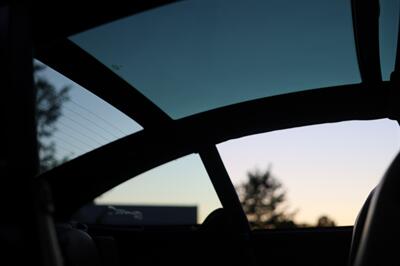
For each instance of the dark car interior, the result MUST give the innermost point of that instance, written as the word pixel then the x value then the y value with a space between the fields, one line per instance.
pixel 38 225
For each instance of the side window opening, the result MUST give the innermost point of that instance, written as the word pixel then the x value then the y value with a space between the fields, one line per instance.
pixel 176 193
pixel 313 176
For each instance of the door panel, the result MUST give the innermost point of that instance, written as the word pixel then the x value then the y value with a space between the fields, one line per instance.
pixel 180 245
pixel 314 246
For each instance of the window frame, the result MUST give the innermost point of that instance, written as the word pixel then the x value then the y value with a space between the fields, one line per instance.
pixel 164 139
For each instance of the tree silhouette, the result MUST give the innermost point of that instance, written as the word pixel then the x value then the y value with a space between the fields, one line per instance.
pixel 325 221
pixel 49 102
pixel 263 199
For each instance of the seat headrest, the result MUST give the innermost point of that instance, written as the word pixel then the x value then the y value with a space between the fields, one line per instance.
pixel 77 246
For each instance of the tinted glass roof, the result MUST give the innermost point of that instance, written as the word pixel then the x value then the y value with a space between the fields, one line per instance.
pixel 193 56
pixel 388 28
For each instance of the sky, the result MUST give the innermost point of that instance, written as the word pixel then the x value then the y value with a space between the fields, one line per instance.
pixel 197 55
pixel 208 54
pixel 87 122
pixel 326 169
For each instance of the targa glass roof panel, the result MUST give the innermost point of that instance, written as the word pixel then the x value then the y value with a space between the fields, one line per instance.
pixel 193 56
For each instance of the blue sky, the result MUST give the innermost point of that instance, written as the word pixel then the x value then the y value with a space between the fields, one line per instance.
pixel 87 121
pixel 206 55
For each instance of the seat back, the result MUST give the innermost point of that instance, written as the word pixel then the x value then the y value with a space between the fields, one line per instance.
pixel 77 246
pixel 358 228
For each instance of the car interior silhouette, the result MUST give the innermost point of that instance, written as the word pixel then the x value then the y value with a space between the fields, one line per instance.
pixel 191 75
